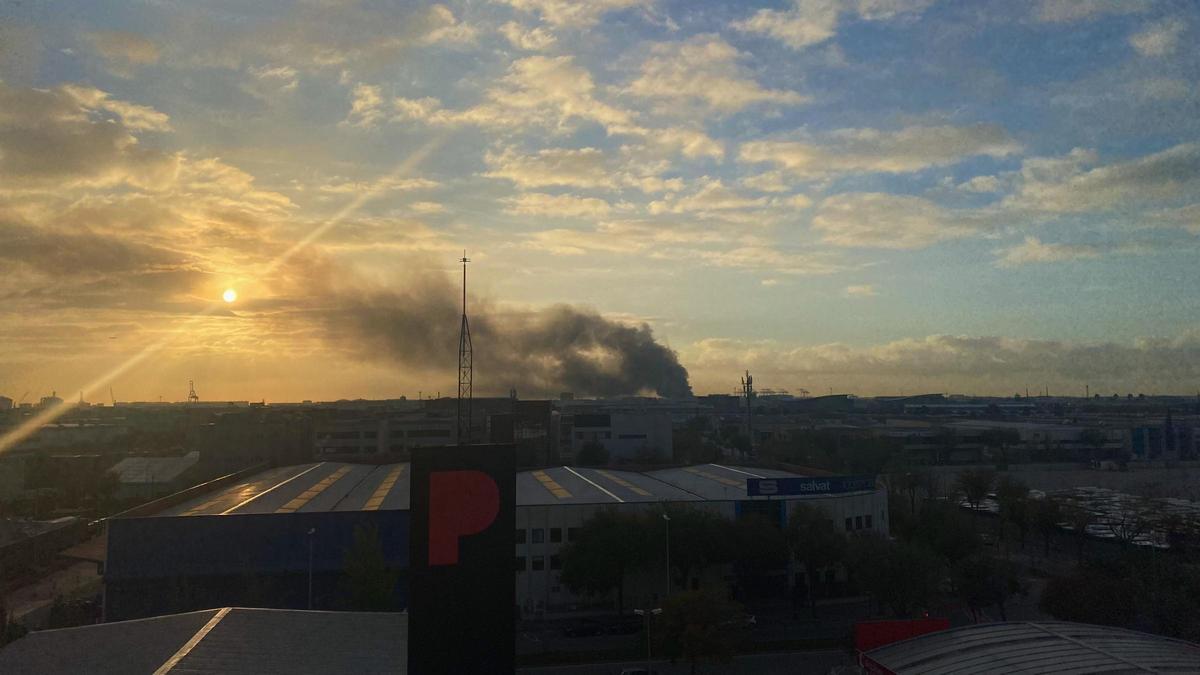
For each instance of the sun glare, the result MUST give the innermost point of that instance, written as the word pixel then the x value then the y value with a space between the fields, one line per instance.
pixel 229 295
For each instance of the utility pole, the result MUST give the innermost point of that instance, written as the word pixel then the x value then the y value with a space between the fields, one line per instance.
pixel 466 373
pixel 748 392
pixel 311 532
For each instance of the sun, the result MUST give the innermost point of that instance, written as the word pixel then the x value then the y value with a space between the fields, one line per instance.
pixel 229 295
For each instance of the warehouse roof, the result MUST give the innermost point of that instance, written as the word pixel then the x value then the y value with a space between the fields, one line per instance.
pixel 337 486
pixel 716 482
pixel 220 641
pixel 1043 647
pixel 571 485
pixel 144 470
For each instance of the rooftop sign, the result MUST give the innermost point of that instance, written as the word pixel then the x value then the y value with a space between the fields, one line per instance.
pixel 809 485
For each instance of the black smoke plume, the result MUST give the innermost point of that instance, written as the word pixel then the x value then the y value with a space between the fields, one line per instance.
pixel 540 352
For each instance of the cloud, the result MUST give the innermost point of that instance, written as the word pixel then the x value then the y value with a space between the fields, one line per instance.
pixel 562 241
pixel 447 28
pixel 712 199
pixel 124 51
pixel 1074 184
pixel 984 365
pixel 876 220
pixel 861 291
pixel 60 138
pixel 762 258
pixel 873 150
pixel 366 106
pixel 529 39
pixel 984 184
pixel 1033 250
pixel 542 204
pixel 574 13
pixel 810 22
pixel 704 71
pixel 1186 218
pixel 588 168
pixel 1063 11
pixel 343 186
pixel 1158 39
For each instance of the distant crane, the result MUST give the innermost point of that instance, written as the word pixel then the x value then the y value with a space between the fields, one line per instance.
pixel 23 397
pixel 193 397
pixel 112 397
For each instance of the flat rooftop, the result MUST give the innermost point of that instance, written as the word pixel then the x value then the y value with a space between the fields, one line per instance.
pixel 219 641
pixel 1045 647
pixel 340 486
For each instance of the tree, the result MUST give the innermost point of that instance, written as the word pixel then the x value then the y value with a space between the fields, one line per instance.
pixel 1079 517
pixel 369 581
pixel 1013 497
pixel 760 547
pixel 975 484
pixel 701 625
pixel 592 454
pixel 984 581
pixel 698 539
pixel 1090 596
pixel 816 543
pixel 1045 515
pixel 610 544
pixel 902 576
pixel 944 529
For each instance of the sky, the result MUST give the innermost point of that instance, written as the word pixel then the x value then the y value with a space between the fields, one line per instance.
pixel 860 196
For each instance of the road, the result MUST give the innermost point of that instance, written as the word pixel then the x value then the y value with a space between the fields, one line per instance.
pixel 820 662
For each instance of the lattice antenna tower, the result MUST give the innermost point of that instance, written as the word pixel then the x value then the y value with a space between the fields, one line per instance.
pixel 748 392
pixel 466 373
pixel 193 397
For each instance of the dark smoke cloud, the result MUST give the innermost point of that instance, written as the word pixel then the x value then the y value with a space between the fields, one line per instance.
pixel 540 352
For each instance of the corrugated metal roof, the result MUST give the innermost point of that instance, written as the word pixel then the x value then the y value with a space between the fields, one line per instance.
pixel 337 486
pixel 143 470
pixel 715 482
pixel 220 641
pixel 1042 647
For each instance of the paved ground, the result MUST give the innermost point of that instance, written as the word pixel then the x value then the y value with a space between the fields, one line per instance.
pixel 30 604
pixel 820 661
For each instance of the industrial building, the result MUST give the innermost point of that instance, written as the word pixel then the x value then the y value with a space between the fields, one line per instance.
pixel 265 532
pixel 1041 648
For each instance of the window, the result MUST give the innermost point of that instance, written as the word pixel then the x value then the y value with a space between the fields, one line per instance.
pixel 520 563
pixel 868 522
pixel 829 576
pixel 539 563
pixel 858 522
pixel 631 437
pixel 539 535
pixel 520 539
pixel 607 434
pixel 849 524
pixel 370 434
pixel 555 535
pixel 572 533
pixel 579 435
pixel 555 562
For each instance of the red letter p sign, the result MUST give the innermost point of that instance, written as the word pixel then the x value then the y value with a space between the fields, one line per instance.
pixel 461 503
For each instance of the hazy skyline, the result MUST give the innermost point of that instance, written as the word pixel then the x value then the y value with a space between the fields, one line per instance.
pixel 874 196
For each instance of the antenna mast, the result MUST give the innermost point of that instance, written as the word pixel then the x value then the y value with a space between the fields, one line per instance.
pixel 748 392
pixel 465 368
pixel 193 397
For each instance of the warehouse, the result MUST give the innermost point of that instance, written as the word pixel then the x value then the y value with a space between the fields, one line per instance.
pixel 261 535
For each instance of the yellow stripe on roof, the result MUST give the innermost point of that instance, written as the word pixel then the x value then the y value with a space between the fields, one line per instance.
pixel 313 491
pixel 551 485
pixel 741 485
pixel 384 488
pixel 623 483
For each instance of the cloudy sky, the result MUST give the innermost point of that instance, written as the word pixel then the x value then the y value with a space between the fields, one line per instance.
pixel 869 196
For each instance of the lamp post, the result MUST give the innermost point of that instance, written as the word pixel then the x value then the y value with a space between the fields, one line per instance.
pixel 648 613
pixel 311 532
pixel 667 518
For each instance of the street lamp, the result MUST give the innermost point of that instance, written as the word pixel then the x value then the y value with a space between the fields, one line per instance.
pixel 311 532
pixel 667 518
pixel 649 613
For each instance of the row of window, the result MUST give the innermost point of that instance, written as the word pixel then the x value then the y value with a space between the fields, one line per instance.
pixel 371 435
pixel 538 535
pixel 537 563
pixel 858 523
